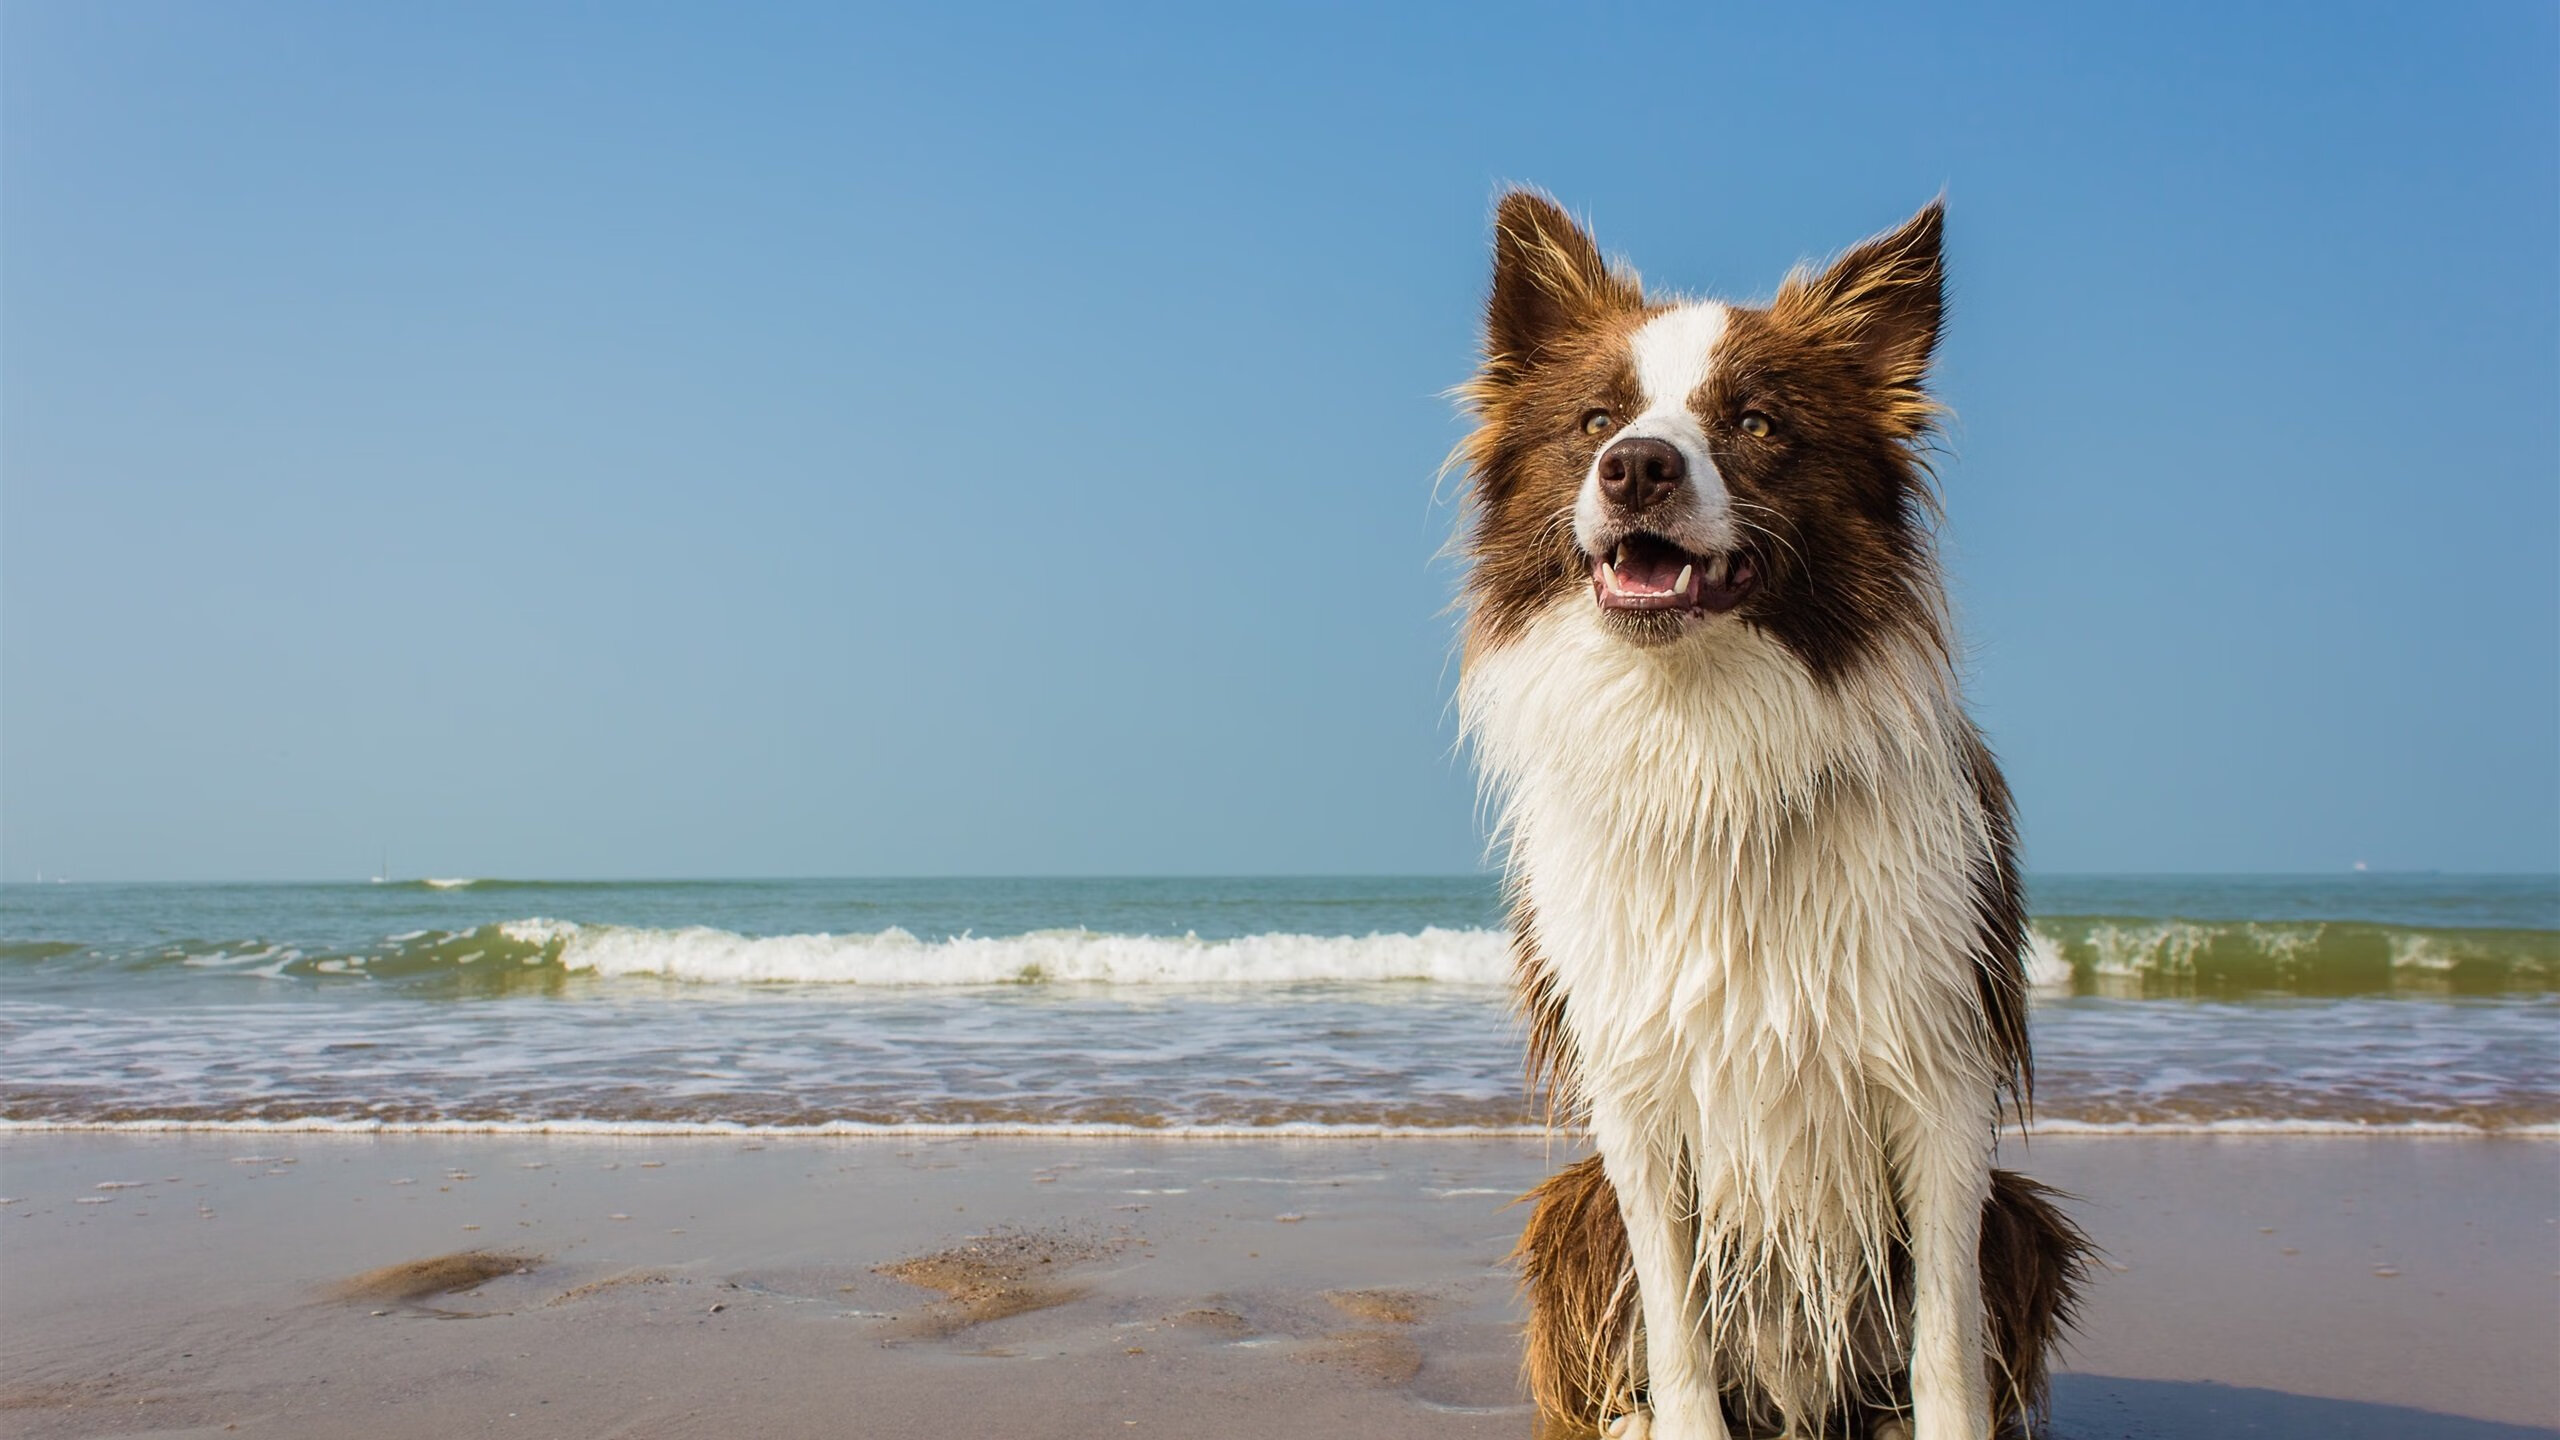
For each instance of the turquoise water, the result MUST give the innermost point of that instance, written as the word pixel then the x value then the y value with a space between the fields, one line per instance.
pixel 1202 1004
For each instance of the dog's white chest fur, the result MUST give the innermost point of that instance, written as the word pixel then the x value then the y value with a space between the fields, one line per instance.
pixel 1754 893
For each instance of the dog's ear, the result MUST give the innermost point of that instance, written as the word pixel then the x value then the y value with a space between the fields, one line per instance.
pixel 1881 302
pixel 1547 276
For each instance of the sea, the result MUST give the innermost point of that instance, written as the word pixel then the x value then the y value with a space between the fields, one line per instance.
pixel 1205 1007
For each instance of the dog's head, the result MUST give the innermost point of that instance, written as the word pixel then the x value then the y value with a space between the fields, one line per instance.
pixel 1678 465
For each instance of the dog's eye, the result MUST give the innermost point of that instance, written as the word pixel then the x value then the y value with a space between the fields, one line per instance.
pixel 1598 422
pixel 1755 424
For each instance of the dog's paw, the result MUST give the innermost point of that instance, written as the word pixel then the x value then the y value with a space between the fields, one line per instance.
pixel 1634 1425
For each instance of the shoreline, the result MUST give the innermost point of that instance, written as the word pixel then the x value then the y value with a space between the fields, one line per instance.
pixel 1261 1287
pixel 1103 1130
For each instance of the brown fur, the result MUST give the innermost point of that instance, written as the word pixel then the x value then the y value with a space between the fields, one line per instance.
pixel 1583 1364
pixel 2000 940
pixel 1554 347
pixel 1551 1062
pixel 1585 1323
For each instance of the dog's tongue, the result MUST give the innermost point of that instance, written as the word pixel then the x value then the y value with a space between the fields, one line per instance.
pixel 1645 572
pixel 1649 567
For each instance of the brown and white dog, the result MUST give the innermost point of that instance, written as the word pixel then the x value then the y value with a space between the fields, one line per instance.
pixel 1760 861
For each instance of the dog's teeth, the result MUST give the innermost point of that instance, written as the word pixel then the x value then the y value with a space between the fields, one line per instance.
pixel 1682 586
pixel 1609 574
pixel 1618 554
pixel 1715 569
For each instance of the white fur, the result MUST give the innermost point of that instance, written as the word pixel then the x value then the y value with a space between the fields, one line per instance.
pixel 1755 895
pixel 1673 353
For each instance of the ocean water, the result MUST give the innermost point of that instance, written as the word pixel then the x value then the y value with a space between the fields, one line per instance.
pixel 1206 1006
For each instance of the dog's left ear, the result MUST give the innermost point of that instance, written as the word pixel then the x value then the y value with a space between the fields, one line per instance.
pixel 1882 302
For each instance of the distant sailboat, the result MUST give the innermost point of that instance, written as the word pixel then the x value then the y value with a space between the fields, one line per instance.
pixel 385 877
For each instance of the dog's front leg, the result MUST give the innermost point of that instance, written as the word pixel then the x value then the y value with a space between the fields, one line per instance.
pixel 1942 1175
pixel 1657 1202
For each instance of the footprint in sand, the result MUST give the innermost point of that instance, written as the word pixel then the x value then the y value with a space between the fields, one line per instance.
pixel 413 1282
pixel 1011 1272
pixel 1375 1352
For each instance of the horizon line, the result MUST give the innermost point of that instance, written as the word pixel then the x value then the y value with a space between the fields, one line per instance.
pixel 459 881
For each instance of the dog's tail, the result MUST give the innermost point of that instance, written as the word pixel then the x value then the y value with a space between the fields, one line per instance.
pixel 1584 1322
pixel 1584 1362
pixel 2033 1260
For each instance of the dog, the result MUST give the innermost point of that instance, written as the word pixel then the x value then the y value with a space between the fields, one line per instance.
pixel 1760 864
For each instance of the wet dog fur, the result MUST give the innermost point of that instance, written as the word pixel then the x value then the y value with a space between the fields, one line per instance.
pixel 1761 865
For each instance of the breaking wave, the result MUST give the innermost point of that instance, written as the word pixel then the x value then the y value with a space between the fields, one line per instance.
pixel 2120 955
pixel 892 957
pixel 2088 955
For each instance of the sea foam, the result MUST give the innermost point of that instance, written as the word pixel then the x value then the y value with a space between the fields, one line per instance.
pixel 895 957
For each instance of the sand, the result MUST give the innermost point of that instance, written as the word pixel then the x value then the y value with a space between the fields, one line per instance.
pixel 539 1286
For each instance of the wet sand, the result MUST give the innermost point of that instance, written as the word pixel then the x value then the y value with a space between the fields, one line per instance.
pixel 325 1286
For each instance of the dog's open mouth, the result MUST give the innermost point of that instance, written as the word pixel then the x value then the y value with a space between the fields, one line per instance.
pixel 1647 572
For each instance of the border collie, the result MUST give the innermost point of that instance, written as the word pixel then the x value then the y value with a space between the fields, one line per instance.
pixel 1760 862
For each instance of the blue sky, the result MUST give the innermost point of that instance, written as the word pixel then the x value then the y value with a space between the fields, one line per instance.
pixel 678 440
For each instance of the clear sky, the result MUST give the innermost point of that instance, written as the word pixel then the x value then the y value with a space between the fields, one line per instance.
pixel 614 439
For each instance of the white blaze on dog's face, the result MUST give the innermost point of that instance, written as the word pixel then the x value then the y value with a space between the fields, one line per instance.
pixel 1682 466
pixel 1672 551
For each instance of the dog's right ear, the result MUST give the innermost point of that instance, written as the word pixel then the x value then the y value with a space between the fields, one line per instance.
pixel 1547 277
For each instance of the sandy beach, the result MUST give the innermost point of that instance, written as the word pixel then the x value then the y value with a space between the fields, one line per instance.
pixel 309 1285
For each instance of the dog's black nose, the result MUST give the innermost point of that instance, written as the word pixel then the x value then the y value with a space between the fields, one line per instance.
pixel 1639 470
